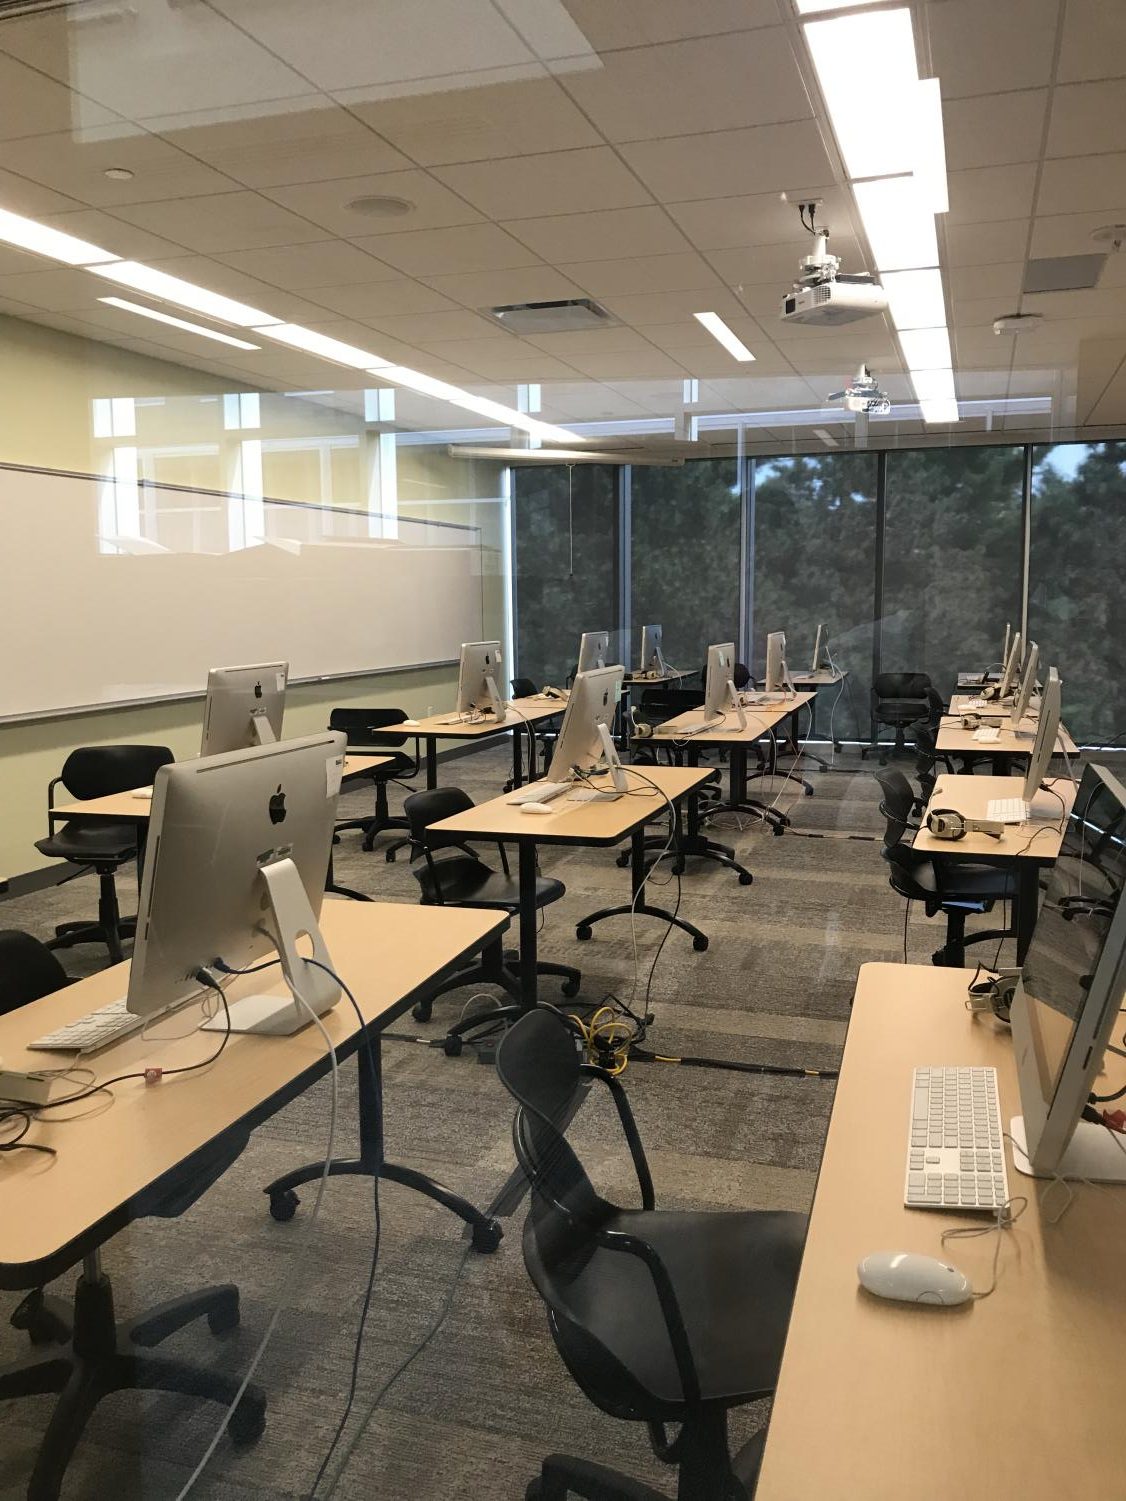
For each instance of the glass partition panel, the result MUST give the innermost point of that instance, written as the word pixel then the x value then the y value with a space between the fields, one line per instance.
pixel 565 565
pixel 1076 608
pixel 952 559
pixel 685 558
pixel 814 564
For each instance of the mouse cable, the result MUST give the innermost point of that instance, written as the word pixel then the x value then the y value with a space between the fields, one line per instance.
pixel 1005 1218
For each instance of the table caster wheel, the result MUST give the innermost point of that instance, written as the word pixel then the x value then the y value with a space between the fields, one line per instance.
pixel 745 878
pixel 700 943
pixel 422 1011
pixel 582 932
pixel 570 988
pixel 225 1319
pixel 621 862
pixel 248 1421
pixel 283 1206
pixel 487 1237
pixel 452 1046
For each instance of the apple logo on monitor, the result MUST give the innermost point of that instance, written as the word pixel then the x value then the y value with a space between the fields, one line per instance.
pixel 277 806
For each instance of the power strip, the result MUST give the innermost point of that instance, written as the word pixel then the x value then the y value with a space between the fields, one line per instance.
pixel 33 1089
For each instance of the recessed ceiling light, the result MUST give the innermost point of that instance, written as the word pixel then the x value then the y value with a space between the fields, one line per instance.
pixel 191 328
pixel 726 336
pixel 380 206
pixel 42 240
pixel 156 283
pixel 119 174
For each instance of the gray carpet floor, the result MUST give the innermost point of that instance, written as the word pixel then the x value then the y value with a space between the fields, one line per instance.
pixel 487 1396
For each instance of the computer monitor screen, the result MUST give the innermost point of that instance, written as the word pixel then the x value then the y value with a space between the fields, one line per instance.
pixel 477 679
pixel 1012 667
pixel 1072 983
pixel 238 852
pixel 593 646
pixel 652 658
pixel 585 738
pixel 776 662
pixel 1027 682
pixel 1044 746
pixel 244 707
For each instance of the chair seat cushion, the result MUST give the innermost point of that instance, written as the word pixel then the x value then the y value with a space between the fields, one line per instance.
pixel 734 1277
pixel 463 881
pixel 977 883
pixel 89 840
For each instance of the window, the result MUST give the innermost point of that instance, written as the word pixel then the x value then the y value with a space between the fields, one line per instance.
pixel 952 559
pixel 1076 612
pixel 565 564
pixel 685 557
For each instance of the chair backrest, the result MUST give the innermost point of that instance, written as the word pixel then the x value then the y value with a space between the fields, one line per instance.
pixel 100 770
pixel 897 804
pixel 362 726
pixel 431 806
pixel 740 675
pixel 28 970
pixel 453 876
pixel 916 685
pixel 523 688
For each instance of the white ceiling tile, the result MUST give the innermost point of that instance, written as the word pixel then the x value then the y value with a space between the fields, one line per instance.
pixel 32 105
pixel 638 23
pixel 712 83
pixel 1081 184
pixel 714 361
pixel 524 187
pixel 1087 117
pixel 77 167
pixel 20 196
pixel 604 235
pixel 318 263
pixel 104 228
pixel 371 300
pixel 425 329
pixel 757 265
pixel 326 203
pixel 667 307
pixel 767 158
pixel 982 244
pixel 57 290
pixel 646 273
pixel 1001 280
pixel 984 194
pixel 991 48
pixel 217 277
pixel 477 289
pixel 238 220
pixel 292 143
pixel 507 359
pixel 476 124
pixel 437 252
pixel 1068 234
pixel 760 219
pixel 15 262
pixel 615 336
pixel 1108 303
pixel 385 48
pixel 625 364
pixel 990 130
pixel 1094 41
pixel 586 401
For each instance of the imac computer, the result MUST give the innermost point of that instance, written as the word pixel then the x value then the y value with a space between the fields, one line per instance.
pixel 1008 676
pixel 777 677
pixel 652 658
pixel 593 647
pixel 238 854
pixel 1027 683
pixel 478 672
pixel 822 637
pixel 1004 657
pixel 1044 746
pixel 1072 985
pixel 585 741
pixel 244 707
pixel 720 695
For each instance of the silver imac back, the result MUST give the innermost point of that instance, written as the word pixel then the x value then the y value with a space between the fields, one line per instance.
pixel 238 852
pixel 244 707
pixel 815 660
pixel 1072 985
pixel 652 657
pixel 1047 729
pixel 1012 667
pixel 593 646
pixel 478 678
pixel 719 684
pixel 586 736
pixel 1027 682
pixel 776 662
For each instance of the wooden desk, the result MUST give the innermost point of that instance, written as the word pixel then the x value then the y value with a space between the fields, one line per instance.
pixel 824 677
pixel 592 823
pixel 521 713
pixel 1004 1397
pixel 761 720
pixel 1023 846
pixel 1010 743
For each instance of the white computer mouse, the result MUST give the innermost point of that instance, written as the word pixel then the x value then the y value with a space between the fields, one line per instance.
pixel 144 793
pixel 910 1278
pixel 540 809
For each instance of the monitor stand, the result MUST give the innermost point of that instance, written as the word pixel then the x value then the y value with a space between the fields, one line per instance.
pixel 312 991
pixel 736 706
pixel 496 703
pixel 1094 1153
pixel 261 728
pixel 612 759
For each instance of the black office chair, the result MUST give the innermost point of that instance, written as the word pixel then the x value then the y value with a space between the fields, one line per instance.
pixel 928 756
pixel 103 845
pixel 80 1349
pixel 460 878
pixel 365 729
pixel 660 1316
pixel 956 890
pixel 526 688
pixel 900 699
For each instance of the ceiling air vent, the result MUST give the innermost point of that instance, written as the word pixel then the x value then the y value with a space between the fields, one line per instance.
pixel 550 317
pixel 1063 273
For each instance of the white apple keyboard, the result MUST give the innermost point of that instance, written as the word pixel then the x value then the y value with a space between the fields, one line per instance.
pixel 987 734
pixel 1007 810
pixel 955 1149
pixel 89 1033
pixel 538 792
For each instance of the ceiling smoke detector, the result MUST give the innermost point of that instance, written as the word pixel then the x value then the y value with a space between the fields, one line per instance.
pixel 1113 235
pixel 1017 323
pixel 380 206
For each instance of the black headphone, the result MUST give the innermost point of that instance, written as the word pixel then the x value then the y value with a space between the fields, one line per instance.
pixel 948 823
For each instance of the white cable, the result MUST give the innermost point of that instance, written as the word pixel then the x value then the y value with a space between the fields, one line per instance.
pixel 644 880
pixel 283 1297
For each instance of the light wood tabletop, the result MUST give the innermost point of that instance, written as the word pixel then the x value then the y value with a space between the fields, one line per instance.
pixel 761 719
pixel 1002 1397
pixel 519 711
pixel 598 823
pixel 647 680
pixel 1009 742
pixel 113 1148
pixel 824 677
pixel 970 795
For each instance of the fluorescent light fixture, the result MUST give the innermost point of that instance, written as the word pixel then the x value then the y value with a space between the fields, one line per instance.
pixel 191 328
pixel 945 410
pixel 935 392
pixel 560 455
pixel 898 223
pixel 184 293
pixel 725 336
pixel 328 349
pixel 926 349
pixel 930 146
pixel 429 385
pixel 868 75
pixel 915 298
pixel 811 7
pixel 42 240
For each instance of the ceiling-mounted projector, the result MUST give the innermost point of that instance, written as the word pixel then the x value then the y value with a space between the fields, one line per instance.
pixel 822 293
pixel 863 396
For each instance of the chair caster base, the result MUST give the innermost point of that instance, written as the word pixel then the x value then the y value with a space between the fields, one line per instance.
pixel 487 1236
pixel 582 932
pixel 283 1206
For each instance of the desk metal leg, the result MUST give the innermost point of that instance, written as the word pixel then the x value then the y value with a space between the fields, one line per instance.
pixel 487 1233
pixel 518 760
pixel 694 843
pixel 790 747
pixel 638 905
pixel 738 800
pixel 1028 904
pixel 431 761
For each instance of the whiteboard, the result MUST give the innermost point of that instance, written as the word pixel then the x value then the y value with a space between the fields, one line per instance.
pixel 119 592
